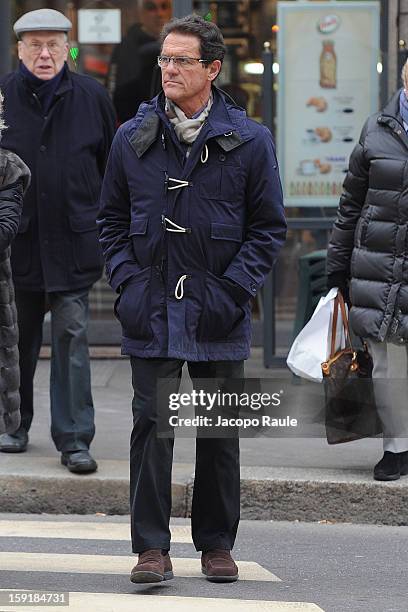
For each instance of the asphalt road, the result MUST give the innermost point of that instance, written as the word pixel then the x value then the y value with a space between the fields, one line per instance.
pixel 329 567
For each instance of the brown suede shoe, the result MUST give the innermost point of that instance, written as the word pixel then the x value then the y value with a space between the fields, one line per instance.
pixel 219 566
pixel 152 566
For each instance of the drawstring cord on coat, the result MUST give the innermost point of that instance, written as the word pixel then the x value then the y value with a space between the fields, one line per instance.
pixel 179 183
pixel 179 290
pixel 204 155
pixel 175 228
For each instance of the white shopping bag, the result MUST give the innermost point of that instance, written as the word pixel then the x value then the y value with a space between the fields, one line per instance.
pixel 311 346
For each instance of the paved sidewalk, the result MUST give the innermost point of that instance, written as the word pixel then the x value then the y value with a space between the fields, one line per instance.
pixel 282 478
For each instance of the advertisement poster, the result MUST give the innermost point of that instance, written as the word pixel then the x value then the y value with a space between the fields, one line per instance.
pixel 328 85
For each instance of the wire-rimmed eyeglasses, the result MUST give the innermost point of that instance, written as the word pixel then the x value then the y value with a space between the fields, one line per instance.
pixel 35 48
pixel 179 61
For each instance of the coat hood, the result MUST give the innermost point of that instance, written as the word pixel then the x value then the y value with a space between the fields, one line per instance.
pixel 228 123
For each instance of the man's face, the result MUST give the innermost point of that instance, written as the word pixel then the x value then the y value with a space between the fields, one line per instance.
pixel 43 53
pixel 188 86
pixel 154 14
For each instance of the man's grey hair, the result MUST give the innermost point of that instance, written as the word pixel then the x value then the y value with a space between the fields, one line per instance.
pixel 2 124
pixel 212 46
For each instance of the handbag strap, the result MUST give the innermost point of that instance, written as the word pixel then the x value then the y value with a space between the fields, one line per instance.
pixel 339 304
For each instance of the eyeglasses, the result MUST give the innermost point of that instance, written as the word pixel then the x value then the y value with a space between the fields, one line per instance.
pixel 180 62
pixel 35 48
pixel 152 7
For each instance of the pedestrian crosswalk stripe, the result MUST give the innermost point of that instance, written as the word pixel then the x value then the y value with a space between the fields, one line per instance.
pixel 106 564
pixel 180 534
pixel 112 602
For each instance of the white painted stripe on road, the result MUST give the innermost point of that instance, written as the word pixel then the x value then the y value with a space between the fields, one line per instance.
pixel 112 602
pixel 81 530
pixel 104 564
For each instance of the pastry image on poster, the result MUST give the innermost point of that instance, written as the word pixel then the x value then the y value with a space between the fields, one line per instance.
pixel 319 103
pixel 324 134
pixel 310 167
pixel 328 65
pixel 317 135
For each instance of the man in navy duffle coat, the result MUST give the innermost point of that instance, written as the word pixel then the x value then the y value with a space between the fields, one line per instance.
pixel 61 124
pixel 191 222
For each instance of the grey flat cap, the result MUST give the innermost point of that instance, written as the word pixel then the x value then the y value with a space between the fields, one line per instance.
pixel 42 20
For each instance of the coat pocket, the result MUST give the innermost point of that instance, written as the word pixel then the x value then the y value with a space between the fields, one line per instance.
pixel 361 227
pixel 222 231
pixel 222 183
pixel 221 315
pixel 86 249
pixel 226 240
pixel 133 306
pixel 140 244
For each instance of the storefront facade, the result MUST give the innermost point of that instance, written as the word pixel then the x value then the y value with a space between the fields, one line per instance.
pixel 247 25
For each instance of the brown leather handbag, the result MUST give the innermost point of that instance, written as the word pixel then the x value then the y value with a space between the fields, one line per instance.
pixel 350 411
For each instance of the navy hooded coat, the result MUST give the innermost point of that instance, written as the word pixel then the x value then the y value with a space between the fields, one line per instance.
pixel 188 241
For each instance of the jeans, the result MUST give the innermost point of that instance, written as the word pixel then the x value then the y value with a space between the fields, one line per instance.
pixel 216 496
pixel 72 411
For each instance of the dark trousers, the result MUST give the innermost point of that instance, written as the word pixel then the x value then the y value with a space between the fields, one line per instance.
pixel 72 412
pixel 216 496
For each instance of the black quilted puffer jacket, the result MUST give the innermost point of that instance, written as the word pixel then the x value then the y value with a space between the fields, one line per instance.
pixel 14 179
pixel 369 243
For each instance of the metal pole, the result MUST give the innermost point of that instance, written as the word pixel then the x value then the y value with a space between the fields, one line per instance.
pixel 268 289
pixel 267 85
pixel 181 8
pixel 5 31
pixel 384 22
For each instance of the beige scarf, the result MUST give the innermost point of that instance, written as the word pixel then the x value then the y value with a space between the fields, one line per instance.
pixel 187 129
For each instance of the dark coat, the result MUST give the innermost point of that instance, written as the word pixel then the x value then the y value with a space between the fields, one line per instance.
pixel 369 240
pixel 57 248
pixel 186 294
pixel 14 178
pixel 134 74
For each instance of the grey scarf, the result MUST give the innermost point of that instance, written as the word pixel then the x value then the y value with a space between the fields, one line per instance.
pixel 186 129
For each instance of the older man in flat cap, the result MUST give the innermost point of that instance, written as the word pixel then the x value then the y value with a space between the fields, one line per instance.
pixel 61 124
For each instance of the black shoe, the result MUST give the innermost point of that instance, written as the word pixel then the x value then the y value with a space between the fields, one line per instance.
pixel 79 462
pixel 391 466
pixel 14 443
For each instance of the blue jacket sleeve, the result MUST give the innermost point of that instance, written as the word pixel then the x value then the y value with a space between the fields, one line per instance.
pixel 113 220
pixel 265 224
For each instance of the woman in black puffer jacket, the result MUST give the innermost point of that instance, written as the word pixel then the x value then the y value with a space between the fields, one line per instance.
pixel 368 257
pixel 14 180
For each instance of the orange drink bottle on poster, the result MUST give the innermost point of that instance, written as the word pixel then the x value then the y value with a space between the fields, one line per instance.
pixel 328 65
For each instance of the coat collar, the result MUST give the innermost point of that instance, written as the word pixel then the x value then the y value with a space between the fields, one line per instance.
pixel 391 117
pixel 146 131
pixel 66 81
pixel 64 85
pixel 227 124
pixel 392 107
